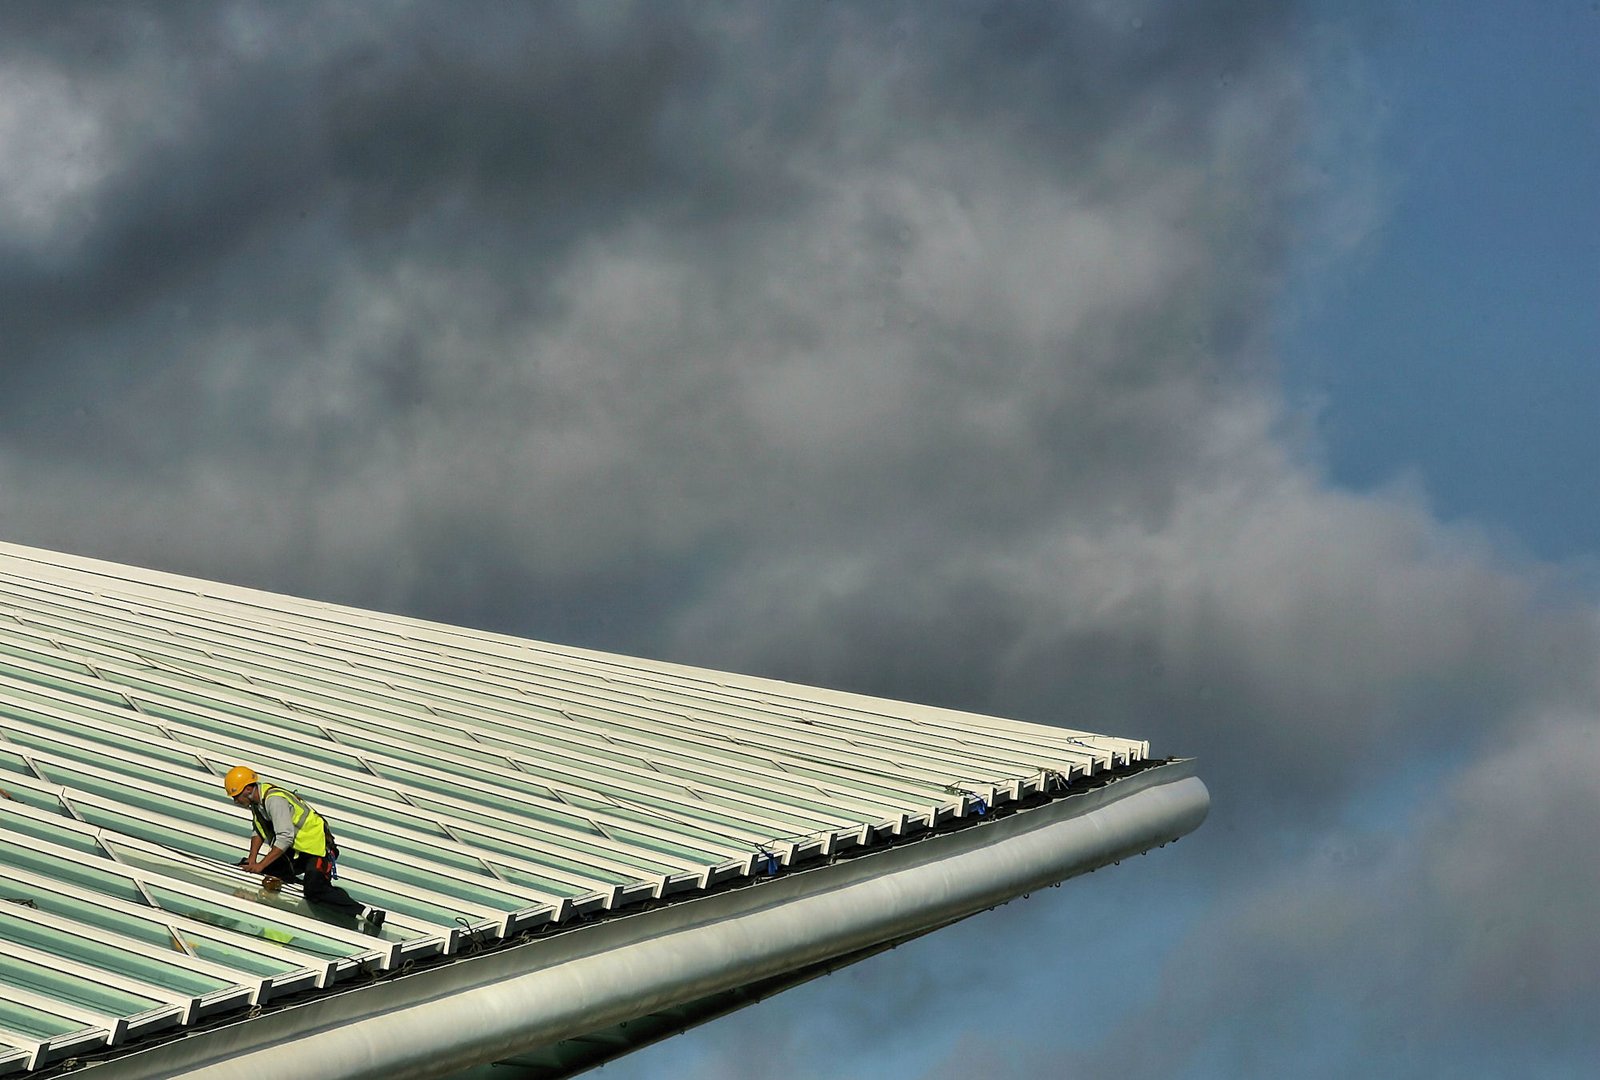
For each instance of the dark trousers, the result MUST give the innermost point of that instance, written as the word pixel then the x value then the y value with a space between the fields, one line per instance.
pixel 311 872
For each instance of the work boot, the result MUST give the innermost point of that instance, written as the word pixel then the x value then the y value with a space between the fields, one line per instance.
pixel 372 920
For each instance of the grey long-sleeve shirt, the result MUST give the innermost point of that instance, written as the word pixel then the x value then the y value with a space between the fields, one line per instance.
pixel 277 818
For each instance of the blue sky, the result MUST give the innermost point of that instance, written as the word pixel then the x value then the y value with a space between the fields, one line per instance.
pixel 1219 373
pixel 1458 342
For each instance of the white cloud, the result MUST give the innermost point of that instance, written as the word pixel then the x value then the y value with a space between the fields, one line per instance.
pixel 53 154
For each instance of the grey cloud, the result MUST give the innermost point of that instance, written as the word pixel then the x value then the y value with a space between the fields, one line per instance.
pixel 1291 637
pixel 1462 943
pixel 254 174
pixel 450 289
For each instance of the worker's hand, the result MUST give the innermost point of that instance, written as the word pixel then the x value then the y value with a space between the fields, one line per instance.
pixel 256 865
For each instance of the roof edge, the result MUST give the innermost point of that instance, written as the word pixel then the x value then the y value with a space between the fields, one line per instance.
pixel 490 1008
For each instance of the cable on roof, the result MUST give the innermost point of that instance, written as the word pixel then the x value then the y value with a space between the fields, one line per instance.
pixel 478 939
pixel 983 804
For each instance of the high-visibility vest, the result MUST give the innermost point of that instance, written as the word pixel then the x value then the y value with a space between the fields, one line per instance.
pixel 310 833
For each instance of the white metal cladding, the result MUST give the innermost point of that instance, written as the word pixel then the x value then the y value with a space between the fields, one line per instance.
pixel 478 784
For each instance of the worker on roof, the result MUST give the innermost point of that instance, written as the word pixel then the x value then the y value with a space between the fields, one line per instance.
pixel 299 845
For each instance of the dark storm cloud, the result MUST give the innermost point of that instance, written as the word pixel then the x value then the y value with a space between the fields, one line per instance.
pixel 520 130
pixel 271 146
pixel 918 350
pixel 266 171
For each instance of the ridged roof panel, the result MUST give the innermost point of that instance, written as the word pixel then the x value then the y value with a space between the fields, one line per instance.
pixel 479 785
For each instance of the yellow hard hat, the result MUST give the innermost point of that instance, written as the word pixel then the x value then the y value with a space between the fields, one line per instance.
pixel 239 777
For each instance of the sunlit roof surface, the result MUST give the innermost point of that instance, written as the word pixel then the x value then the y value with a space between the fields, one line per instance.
pixel 479 785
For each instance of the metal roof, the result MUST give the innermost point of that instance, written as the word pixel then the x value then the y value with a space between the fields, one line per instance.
pixel 480 786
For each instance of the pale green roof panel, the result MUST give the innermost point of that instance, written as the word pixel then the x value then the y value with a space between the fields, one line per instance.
pixel 478 784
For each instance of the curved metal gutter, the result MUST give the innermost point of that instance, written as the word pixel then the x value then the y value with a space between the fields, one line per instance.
pixel 497 1006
